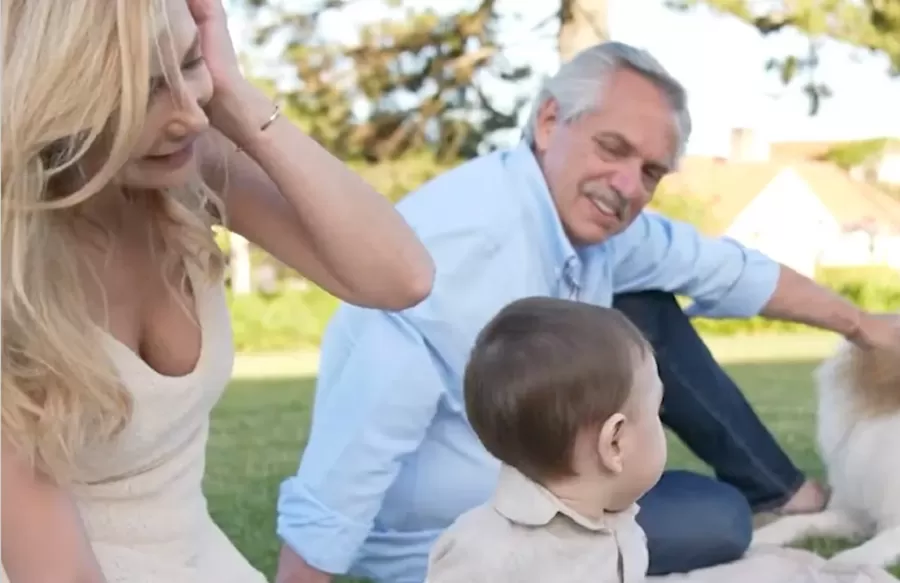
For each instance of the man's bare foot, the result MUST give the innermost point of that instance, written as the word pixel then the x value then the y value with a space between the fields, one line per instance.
pixel 811 497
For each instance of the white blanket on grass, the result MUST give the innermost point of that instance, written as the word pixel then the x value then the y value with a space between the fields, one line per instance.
pixel 780 565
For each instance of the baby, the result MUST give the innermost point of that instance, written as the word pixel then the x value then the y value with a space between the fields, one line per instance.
pixel 566 395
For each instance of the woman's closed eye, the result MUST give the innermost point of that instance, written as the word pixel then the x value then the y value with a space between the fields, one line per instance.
pixel 159 83
pixel 192 63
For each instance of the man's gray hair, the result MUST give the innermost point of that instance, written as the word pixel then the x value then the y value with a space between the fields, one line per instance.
pixel 579 83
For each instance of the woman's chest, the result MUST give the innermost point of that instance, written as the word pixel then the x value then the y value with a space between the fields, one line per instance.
pixel 170 414
pixel 173 352
pixel 157 316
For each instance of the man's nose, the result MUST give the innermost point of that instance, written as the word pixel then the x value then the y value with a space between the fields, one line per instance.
pixel 627 179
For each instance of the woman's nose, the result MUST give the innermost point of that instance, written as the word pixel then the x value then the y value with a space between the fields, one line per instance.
pixel 189 119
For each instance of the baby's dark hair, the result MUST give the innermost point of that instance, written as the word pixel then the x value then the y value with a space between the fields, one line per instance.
pixel 544 369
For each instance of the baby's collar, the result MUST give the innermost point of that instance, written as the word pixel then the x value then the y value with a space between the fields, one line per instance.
pixel 525 502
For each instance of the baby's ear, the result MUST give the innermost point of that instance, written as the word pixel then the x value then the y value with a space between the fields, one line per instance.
pixel 609 443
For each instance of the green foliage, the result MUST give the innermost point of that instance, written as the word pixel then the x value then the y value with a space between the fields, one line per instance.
pixel 289 320
pixel 868 24
pixel 848 155
pixel 293 319
pixel 396 178
pixel 682 207
pixel 221 237
pixel 876 289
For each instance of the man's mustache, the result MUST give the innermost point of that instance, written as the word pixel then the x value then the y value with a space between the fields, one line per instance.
pixel 608 196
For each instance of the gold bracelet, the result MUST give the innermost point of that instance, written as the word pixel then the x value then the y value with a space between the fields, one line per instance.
pixel 276 113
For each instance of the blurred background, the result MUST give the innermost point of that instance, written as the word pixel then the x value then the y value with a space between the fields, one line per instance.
pixel 796 147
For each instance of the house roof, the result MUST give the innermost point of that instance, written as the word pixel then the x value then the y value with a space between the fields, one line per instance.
pixel 787 152
pixel 728 187
pixel 724 187
pixel 852 202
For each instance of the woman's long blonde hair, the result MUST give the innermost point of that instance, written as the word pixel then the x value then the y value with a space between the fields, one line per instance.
pixel 76 73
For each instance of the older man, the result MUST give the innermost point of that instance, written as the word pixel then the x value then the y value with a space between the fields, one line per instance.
pixel 391 459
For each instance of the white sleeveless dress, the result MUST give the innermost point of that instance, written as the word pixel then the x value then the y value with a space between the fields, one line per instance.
pixel 143 506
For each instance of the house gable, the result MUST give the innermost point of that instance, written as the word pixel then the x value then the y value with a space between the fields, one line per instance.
pixel 787 221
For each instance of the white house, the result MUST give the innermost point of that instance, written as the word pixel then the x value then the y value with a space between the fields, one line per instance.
pixel 803 214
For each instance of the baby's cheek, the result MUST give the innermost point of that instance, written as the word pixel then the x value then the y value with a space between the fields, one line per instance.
pixel 661 443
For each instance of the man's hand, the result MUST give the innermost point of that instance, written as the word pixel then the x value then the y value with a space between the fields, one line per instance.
pixel 878 331
pixel 293 569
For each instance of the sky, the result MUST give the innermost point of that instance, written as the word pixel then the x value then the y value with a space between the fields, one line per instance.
pixel 718 59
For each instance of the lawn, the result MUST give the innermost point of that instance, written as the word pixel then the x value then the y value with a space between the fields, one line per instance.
pixel 261 425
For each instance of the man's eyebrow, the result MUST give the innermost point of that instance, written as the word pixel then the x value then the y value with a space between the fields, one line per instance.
pixel 621 140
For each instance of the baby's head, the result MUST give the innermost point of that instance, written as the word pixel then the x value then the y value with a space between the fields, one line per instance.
pixel 564 390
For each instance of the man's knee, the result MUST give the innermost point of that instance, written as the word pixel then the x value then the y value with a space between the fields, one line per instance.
pixel 693 521
pixel 649 311
pixel 644 302
pixel 728 527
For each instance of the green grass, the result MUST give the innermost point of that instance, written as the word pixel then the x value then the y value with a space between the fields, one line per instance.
pixel 260 428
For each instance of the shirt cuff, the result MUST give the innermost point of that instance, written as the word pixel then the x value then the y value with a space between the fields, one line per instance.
pixel 749 294
pixel 326 540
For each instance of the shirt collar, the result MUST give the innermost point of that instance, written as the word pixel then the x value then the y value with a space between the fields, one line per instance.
pixel 526 174
pixel 525 502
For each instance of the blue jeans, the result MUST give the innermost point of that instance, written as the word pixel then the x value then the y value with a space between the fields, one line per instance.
pixel 694 521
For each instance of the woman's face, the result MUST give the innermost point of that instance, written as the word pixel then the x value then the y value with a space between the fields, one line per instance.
pixel 180 87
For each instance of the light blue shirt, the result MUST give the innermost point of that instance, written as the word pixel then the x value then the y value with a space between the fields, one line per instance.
pixel 391 459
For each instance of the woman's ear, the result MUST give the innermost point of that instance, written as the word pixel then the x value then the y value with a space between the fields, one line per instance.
pixel 609 443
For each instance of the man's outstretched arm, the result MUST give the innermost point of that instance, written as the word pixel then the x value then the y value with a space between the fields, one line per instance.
pixel 728 280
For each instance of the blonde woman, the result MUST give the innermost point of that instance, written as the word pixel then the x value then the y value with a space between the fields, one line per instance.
pixel 116 117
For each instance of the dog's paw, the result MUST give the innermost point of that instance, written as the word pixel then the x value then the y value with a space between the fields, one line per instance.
pixel 771 537
pixel 861 556
pixel 779 533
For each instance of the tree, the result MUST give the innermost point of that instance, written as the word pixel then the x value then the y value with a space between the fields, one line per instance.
pixel 582 23
pixel 868 24
pixel 417 78
pixel 411 82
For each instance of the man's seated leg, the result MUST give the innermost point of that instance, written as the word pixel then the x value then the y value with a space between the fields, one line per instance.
pixel 692 522
pixel 707 410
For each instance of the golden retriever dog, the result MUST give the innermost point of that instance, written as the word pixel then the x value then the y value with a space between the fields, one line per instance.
pixel 859 442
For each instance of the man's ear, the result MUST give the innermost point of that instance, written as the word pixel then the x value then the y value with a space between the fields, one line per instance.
pixel 545 124
pixel 609 443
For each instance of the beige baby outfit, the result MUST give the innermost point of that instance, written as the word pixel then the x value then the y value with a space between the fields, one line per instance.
pixel 526 535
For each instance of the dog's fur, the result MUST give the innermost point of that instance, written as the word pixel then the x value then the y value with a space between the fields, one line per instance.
pixel 859 442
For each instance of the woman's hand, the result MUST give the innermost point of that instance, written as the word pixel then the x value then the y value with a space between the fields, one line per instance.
pixel 237 109
pixel 215 43
pixel 297 201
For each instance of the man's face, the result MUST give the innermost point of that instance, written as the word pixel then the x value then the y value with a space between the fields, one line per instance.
pixel 603 167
